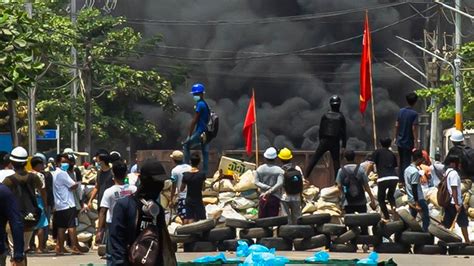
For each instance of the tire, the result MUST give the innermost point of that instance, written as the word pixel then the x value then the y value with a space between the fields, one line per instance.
pixel 368 240
pixel 409 221
pixel 390 228
pixel 443 234
pixel 295 231
pixel 467 250
pixel 314 219
pixel 429 250
pixel 416 238
pixel 278 243
pixel 196 228
pixel 397 248
pixel 200 246
pixel 332 229
pixel 311 243
pixel 101 250
pixel 346 248
pixel 183 238
pixel 220 234
pixel 362 219
pixel 236 223
pixel 271 221
pixel 347 236
pixel 255 233
pixel 232 244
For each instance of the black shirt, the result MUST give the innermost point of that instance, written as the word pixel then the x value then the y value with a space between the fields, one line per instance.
pixel 333 125
pixel 194 182
pixel 48 180
pixel 105 180
pixel 385 161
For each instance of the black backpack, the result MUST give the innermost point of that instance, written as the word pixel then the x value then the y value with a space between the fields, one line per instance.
pixel 468 162
pixel 353 187
pixel 212 125
pixel 26 198
pixel 293 180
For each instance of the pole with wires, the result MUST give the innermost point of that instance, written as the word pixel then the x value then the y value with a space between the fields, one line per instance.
pixel 74 130
pixel 31 100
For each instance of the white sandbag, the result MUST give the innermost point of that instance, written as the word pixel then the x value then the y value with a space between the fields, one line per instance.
pixel 249 194
pixel 431 195
pixel 229 213
pixel 246 182
pixel 213 211
pixel 309 208
pixel 329 192
pixel 84 237
pixel 241 203
pixel 311 193
pixel 224 185
pixel 226 197
pixel 84 219
pixel 172 228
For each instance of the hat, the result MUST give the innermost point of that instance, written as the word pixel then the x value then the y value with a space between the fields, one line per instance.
pixel 285 154
pixel 19 154
pixel 115 156
pixel 456 136
pixel 270 153
pixel 152 170
pixel 177 155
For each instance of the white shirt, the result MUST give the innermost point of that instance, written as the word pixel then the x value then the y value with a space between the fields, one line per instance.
pixel 436 168
pixel 4 173
pixel 177 178
pixel 454 180
pixel 63 195
pixel 112 194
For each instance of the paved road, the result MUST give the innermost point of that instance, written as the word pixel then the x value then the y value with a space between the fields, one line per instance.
pixel 401 259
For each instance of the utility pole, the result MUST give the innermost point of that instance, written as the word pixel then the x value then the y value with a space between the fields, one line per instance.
pixel 88 98
pixel 31 100
pixel 74 131
pixel 457 68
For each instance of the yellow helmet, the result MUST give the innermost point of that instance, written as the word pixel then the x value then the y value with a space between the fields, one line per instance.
pixel 285 154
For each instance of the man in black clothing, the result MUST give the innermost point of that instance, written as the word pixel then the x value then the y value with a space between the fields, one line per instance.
pixel 332 130
pixel 125 228
pixel 194 181
pixel 105 177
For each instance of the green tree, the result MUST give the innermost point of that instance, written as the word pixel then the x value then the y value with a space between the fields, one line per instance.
pixel 444 94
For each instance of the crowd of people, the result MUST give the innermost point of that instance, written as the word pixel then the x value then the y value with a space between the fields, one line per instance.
pixel 44 202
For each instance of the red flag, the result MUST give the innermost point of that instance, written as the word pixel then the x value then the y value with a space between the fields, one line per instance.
pixel 248 124
pixel 365 68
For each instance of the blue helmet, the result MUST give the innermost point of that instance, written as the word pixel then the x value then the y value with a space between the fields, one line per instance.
pixel 197 88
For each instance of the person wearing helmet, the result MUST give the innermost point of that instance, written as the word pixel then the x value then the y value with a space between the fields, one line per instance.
pixel 292 186
pixel 460 150
pixel 198 127
pixel 332 131
pixel 6 168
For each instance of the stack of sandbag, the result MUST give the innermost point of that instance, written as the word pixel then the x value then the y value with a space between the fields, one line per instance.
pixel 87 225
pixel 329 201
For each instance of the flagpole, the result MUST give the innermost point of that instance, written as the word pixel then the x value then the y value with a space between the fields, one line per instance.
pixel 372 88
pixel 256 128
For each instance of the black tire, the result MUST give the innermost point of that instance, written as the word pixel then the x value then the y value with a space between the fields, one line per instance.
pixel 467 250
pixel 346 248
pixel 416 238
pixel 347 236
pixel 196 228
pixel 429 250
pixel 409 221
pixel 368 240
pixel 220 234
pixel 255 233
pixel 362 219
pixel 397 248
pixel 232 244
pixel 311 243
pixel 236 223
pixel 183 238
pixel 200 246
pixel 101 250
pixel 314 219
pixel 332 229
pixel 443 234
pixel 278 243
pixel 295 231
pixel 271 221
pixel 390 228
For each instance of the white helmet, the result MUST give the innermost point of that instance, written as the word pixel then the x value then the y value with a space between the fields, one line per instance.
pixel 456 136
pixel 40 155
pixel 19 154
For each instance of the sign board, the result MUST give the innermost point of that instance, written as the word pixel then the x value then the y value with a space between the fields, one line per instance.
pixel 47 134
pixel 6 143
pixel 229 166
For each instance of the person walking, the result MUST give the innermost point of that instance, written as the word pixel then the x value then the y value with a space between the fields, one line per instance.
pixel 456 209
pixel 177 179
pixel 105 177
pixel 414 190
pixel 292 186
pixel 406 132
pixel 332 131
pixel 10 212
pixel 269 180
pixel 386 164
pixel 198 127
pixel 193 184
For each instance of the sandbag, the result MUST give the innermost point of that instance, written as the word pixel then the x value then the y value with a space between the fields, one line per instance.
pixel 84 237
pixel 225 197
pixel 332 212
pixel 84 219
pixel 209 200
pixel 329 192
pixel 431 196
pixel 209 192
pixel 213 211
pixel 401 201
pixel 311 193
pixel 164 201
pixel 168 185
pixel 466 184
pixel 81 228
pixel 470 212
pixel 229 213
pixel 249 194
pixel 224 185
pixel 246 182
pixel 241 203
pixel 309 208
pixel 93 215
pixel 471 200
pixel 321 205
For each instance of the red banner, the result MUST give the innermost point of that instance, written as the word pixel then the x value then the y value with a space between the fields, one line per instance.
pixel 365 68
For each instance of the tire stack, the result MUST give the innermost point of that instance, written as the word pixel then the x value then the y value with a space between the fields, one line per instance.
pixel 316 239
pixel 263 233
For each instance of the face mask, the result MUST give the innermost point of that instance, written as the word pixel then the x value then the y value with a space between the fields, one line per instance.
pixel 196 98
pixel 64 166
pixel 97 165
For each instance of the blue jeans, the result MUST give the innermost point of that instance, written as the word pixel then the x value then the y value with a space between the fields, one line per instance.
pixel 192 142
pixel 425 214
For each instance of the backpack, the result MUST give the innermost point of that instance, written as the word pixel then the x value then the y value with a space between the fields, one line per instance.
pixel 468 162
pixel 26 198
pixel 353 188
pixel 212 126
pixel 443 197
pixel 293 180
